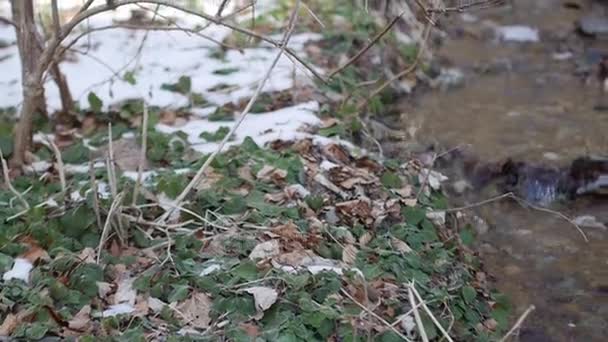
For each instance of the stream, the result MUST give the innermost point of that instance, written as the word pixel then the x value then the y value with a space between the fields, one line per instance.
pixel 537 102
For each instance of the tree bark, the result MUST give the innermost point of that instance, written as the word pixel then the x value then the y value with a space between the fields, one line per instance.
pixel 30 52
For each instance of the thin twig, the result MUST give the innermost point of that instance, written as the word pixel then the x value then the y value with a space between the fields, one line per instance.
pixel 142 156
pixel 9 185
pixel 375 315
pixel 518 323
pixel 361 52
pixel 423 335
pixel 199 175
pixel 522 202
pixel 313 15
pixel 7 21
pixel 412 67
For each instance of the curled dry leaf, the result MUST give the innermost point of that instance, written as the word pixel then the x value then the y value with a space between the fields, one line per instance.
pixel 265 250
pixel 271 174
pixel 400 245
pixel 336 153
pixel 82 320
pixel 288 231
pixel 103 289
pixel 195 310
pixel 349 254
pixel 87 255
pixel 264 297
pixel 125 293
pixel 365 239
pixel 9 325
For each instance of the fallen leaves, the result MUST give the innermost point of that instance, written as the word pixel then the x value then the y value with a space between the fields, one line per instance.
pixel 195 310
pixel 264 297
pixel 265 250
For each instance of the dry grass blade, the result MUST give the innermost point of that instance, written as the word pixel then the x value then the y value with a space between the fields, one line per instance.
pixel 142 157
pixel 412 287
pixel 106 228
pixel 423 335
pixel 200 173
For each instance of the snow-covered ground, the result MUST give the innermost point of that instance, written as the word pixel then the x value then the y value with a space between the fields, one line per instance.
pixel 105 56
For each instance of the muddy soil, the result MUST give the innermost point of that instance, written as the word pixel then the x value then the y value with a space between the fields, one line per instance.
pixel 536 102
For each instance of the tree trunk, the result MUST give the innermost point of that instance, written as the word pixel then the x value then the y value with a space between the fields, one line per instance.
pixel 34 102
pixel 67 101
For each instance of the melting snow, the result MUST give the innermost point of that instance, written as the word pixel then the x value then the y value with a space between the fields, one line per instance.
pixel 21 270
pixel 262 128
pixel 518 33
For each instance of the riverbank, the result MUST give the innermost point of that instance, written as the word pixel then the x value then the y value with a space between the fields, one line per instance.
pixel 292 234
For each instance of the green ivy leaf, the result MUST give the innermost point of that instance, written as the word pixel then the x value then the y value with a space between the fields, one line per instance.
pixel 129 77
pixel 179 293
pixel 469 294
pixel 391 180
pixel 95 103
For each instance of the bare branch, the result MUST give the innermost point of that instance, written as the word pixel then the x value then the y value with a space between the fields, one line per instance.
pixel 201 172
pixel 367 47
pixel 7 21
pixel 86 6
pixel 55 41
pixel 56 21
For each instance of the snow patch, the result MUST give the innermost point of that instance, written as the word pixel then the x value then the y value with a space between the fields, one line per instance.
pixel 21 270
pixel 518 33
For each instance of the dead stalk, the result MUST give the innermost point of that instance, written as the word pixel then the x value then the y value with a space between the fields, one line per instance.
pixel 200 173
pixel 142 157
pixel 60 167
pixel 9 185
pixel 423 335
pixel 106 228
pixel 95 194
pixel 519 322
pixel 429 313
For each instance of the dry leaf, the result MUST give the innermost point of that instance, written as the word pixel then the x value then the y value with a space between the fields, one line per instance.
pixel 8 326
pixel 264 297
pixel 155 304
pixel 349 254
pixel 400 245
pixel 34 253
pixel 288 231
pixel 87 255
pixel 245 173
pixel 125 293
pixel 195 310
pixel 410 202
pixel 82 320
pixel 404 192
pixel 271 174
pixel 265 250
pixel 103 289
pixel 251 329
pixel 365 239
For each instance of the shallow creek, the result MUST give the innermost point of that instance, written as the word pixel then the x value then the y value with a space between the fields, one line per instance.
pixel 530 101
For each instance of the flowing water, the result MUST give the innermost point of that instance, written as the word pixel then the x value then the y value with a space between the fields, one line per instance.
pixel 533 102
